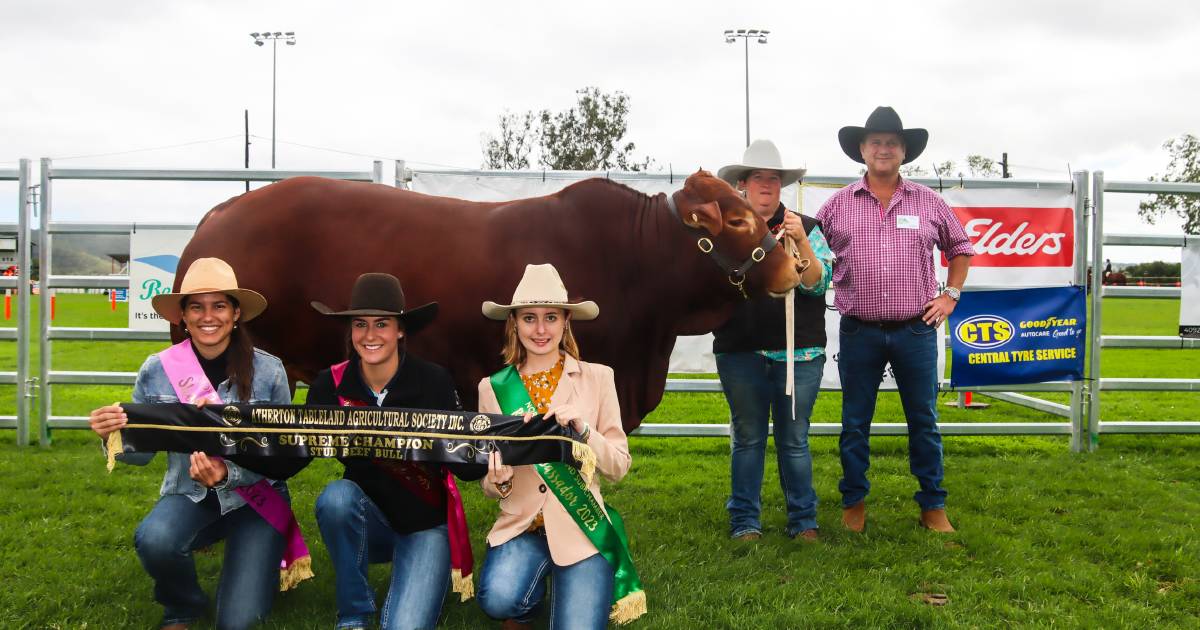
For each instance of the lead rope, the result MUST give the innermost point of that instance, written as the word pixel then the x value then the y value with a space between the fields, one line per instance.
pixel 789 311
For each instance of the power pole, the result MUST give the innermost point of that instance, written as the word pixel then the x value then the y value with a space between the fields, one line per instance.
pixel 1004 166
pixel 247 120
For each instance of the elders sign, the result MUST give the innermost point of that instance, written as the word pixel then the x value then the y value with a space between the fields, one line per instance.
pixel 1021 238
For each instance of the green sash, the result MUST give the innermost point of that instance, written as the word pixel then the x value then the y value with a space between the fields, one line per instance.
pixel 568 486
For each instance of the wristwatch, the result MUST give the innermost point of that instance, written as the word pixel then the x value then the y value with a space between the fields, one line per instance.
pixel 952 292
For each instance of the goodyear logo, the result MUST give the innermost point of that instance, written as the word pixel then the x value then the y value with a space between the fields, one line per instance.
pixel 984 332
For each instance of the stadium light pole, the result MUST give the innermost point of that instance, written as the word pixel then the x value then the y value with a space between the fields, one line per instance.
pixel 746 35
pixel 289 38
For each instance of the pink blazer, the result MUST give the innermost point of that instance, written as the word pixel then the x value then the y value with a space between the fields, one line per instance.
pixel 590 388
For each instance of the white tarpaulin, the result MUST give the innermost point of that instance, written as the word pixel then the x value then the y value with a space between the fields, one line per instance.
pixel 153 258
pixel 1189 298
pixel 475 187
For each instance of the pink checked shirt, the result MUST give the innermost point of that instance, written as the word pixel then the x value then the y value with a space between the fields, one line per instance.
pixel 884 260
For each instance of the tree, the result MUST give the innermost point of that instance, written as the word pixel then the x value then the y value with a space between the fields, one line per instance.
pixel 913 170
pixel 586 137
pixel 945 169
pixel 510 150
pixel 1183 167
pixel 981 166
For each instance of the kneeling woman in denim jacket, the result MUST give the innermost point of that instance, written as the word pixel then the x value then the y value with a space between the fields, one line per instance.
pixel 537 534
pixel 201 500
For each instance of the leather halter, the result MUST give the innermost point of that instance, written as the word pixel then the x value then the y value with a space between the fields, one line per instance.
pixel 735 273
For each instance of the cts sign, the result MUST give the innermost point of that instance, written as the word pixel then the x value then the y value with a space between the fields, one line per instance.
pixel 984 332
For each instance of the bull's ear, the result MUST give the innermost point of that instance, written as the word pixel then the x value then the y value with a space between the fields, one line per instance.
pixel 705 216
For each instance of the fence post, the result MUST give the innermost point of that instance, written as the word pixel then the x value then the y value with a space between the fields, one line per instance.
pixel 44 302
pixel 1094 343
pixel 1079 181
pixel 377 172
pixel 24 273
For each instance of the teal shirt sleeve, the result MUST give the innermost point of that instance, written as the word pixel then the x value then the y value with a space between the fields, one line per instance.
pixel 820 247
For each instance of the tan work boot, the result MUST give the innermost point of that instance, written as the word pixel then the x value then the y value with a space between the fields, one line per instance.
pixel 936 520
pixel 855 517
pixel 808 536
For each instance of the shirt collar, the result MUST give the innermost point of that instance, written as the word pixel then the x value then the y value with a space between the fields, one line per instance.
pixel 860 186
pixel 354 387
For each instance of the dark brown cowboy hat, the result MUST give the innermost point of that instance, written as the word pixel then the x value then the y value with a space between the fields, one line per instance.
pixel 883 119
pixel 380 295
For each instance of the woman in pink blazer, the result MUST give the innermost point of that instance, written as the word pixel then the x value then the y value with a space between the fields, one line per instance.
pixel 534 536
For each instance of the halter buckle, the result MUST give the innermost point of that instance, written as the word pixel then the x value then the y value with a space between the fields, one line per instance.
pixel 705 244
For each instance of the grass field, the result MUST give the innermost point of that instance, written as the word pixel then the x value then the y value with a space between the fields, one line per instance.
pixel 1047 537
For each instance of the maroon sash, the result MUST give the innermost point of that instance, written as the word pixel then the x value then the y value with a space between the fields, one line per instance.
pixel 417 481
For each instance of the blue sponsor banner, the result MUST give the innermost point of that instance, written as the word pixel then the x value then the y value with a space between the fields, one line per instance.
pixel 1018 336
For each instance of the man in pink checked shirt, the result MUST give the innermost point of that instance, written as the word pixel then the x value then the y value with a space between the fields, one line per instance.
pixel 882 230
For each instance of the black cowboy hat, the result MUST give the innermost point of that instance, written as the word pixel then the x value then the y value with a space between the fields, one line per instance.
pixel 380 295
pixel 883 119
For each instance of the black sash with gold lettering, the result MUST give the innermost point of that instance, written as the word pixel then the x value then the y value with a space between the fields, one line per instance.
pixel 250 434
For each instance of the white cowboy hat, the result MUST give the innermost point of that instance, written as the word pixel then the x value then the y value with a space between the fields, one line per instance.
pixel 541 286
pixel 760 155
pixel 209 275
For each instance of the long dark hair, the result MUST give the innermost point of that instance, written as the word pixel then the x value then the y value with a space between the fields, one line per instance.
pixel 239 356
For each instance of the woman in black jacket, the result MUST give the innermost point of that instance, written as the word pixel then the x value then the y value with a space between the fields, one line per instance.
pixel 382 510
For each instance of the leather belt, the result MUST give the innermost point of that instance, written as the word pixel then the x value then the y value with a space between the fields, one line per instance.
pixel 890 324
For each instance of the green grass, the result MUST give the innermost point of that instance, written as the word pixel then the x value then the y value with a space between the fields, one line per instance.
pixel 1047 537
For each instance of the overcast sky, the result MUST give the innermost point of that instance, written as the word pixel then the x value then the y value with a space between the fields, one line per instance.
pixel 1096 84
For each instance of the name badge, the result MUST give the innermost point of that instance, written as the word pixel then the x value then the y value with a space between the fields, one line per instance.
pixel 908 222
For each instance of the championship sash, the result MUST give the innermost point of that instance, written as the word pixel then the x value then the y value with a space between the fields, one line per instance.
pixel 190 384
pixel 607 533
pixel 416 482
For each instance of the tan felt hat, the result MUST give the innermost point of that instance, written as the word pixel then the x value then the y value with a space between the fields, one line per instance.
pixel 209 275
pixel 541 286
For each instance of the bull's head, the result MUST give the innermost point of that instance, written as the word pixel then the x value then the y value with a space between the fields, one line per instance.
pixel 735 236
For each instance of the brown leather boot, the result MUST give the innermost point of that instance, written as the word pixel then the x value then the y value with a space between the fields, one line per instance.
pixel 175 626
pixel 808 536
pixel 513 624
pixel 937 521
pixel 855 517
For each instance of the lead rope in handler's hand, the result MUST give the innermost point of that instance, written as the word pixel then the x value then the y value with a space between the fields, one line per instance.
pixel 789 310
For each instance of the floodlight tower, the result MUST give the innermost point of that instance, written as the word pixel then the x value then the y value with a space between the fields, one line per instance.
pixel 289 38
pixel 746 35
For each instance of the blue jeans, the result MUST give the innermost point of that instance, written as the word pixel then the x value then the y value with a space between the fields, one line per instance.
pixel 356 533
pixel 754 387
pixel 512 584
pixel 912 351
pixel 249 580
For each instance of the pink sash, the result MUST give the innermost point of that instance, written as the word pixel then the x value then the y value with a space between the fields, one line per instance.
pixel 190 385
pixel 461 559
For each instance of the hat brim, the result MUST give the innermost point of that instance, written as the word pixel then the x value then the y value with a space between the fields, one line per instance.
pixel 170 305
pixel 734 172
pixel 414 319
pixel 851 138
pixel 581 311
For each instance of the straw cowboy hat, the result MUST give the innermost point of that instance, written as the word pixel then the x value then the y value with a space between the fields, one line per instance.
pixel 541 286
pixel 761 154
pixel 380 295
pixel 883 119
pixel 209 275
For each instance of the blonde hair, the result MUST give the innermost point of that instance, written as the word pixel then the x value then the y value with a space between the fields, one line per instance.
pixel 515 354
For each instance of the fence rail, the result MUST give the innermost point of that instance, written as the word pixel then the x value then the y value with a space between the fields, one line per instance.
pixel 1084 423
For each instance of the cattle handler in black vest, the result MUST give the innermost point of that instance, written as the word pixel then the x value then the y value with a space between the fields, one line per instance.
pixel 752 358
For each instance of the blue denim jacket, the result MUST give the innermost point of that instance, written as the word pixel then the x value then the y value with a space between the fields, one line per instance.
pixel 269 386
